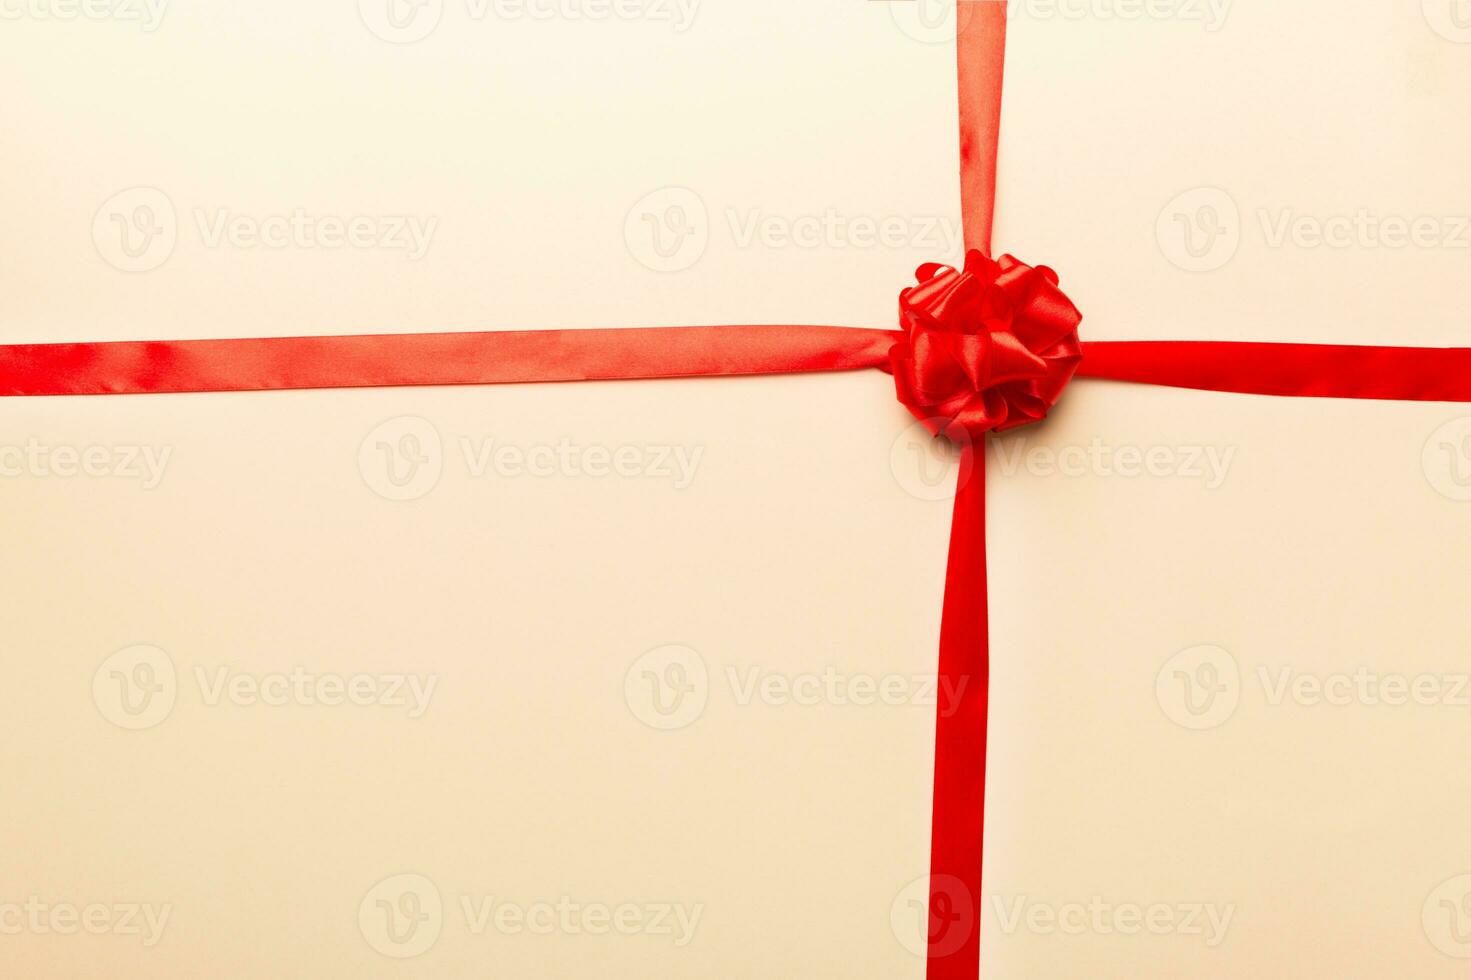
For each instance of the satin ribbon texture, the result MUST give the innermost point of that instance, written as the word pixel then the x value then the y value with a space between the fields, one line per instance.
pixel 986 348
pixel 983 348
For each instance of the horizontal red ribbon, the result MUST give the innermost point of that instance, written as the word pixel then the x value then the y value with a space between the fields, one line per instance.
pixel 1302 370
pixel 388 360
pixel 255 364
pixel 511 357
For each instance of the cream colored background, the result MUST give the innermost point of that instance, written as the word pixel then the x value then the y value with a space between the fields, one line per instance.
pixel 801 543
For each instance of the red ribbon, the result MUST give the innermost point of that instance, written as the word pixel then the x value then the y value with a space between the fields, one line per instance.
pixel 391 360
pixel 1431 374
pixel 989 346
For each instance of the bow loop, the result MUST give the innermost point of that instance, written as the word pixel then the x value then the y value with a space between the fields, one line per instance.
pixel 987 347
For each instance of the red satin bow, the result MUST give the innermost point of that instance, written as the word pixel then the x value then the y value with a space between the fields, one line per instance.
pixel 989 346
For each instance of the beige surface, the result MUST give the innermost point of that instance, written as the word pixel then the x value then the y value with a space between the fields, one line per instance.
pixel 528 599
pixel 1337 541
pixel 797 540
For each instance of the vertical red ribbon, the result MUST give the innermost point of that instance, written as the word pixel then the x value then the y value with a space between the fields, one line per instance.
pixel 980 48
pixel 959 808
